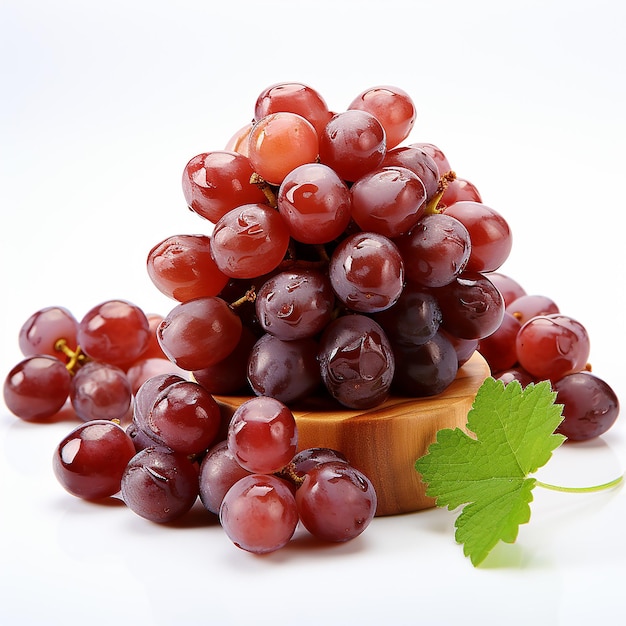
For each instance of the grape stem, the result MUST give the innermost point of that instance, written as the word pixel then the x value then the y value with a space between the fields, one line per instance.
pixel 433 204
pixel 289 472
pixel 265 187
pixel 249 296
pixel 76 358
pixel 612 483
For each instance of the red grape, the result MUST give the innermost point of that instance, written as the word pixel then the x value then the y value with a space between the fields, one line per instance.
pixel 314 203
pixel 336 502
pixel 37 388
pixel 217 182
pixel 389 201
pixel 116 332
pixel 352 144
pixel 551 346
pixel 262 435
pixel 199 333
pixel 259 514
pixel 249 241
pixel 280 142
pixel 90 460
pixel 182 268
pixel 393 107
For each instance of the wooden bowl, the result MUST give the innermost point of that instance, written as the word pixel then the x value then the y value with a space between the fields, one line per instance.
pixel 384 442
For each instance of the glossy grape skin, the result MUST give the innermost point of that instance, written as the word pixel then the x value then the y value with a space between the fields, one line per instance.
pixel 507 286
pixel 216 182
pixel 305 460
pixel 259 514
pixel 426 369
pixel 262 435
pixel 552 346
pixel 471 306
pixel 285 370
pixel 356 361
pixel 436 155
pixel 464 348
pixel 293 98
pixel 367 272
pixel 230 375
pixel 295 304
pixel 489 232
pixel 90 460
pixel 314 203
pixel 514 373
pixel 389 201
pixel 414 319
pixel 436 250
pixel 392 107
pixel 419 162
pixel 199 333
pixel 459 190
pixel 239 140
pixel 154 349
pixel 499 348
pixel 142 370
pixel 37 388
pixel 100 391
pixel 590 406
pixel 336 502
pixel 159 485
pixel 183 417
pixel 148 393
pixel 249 241
pixel 181 267
pixel 219 471
pixel 352 144
pixel 280 142
pixel 41 331
pixel 115 331
pixel 528 306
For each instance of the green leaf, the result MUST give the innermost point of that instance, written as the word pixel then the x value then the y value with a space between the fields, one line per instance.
pixel 488 474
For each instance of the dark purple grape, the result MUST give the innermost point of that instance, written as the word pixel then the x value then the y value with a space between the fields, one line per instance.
pixel 307 459
pixel 219 471
pixel 414 319
pixel 285 370
pixel 295 304
pixel 425 370
pixel 356 361
pixel 436 251
pixel 471 306
pixel 160 485
pixel 590 406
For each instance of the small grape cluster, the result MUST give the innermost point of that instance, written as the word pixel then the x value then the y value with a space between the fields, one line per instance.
pixel 254 479
pixel 340 263
pixel 159 440
pixel 536 342
pixel 98 362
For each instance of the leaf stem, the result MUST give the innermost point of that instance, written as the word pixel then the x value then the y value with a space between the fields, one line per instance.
pixel 609 485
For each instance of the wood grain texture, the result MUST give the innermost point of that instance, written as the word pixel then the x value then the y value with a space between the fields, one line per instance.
pixel 384 442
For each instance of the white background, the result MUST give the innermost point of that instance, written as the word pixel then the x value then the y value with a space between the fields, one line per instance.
pixel 102 105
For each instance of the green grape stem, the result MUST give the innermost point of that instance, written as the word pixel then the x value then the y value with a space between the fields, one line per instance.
pixel 612 483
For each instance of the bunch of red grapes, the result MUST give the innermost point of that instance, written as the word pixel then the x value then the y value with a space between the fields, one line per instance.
pixel 339 265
